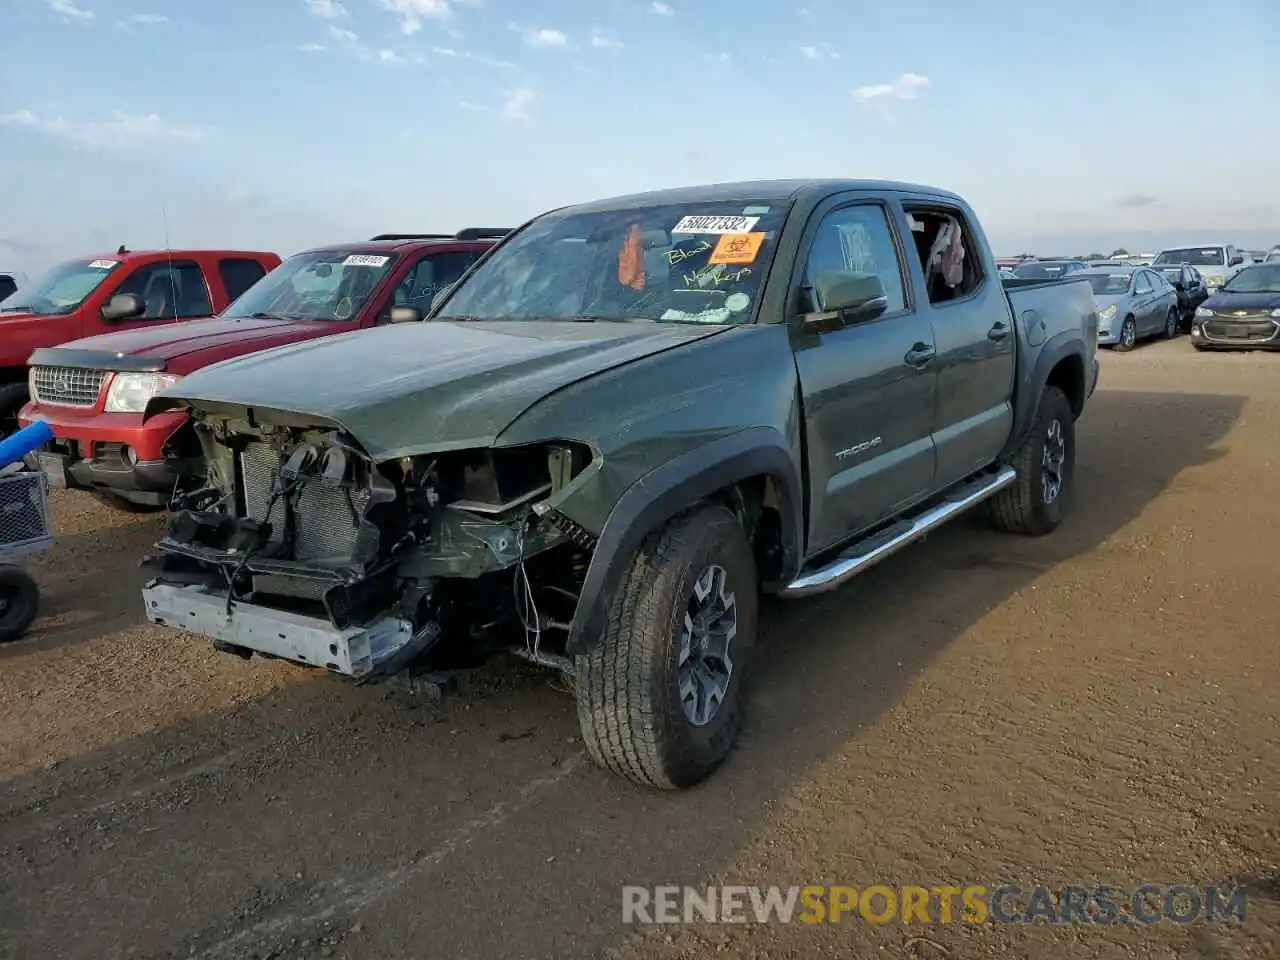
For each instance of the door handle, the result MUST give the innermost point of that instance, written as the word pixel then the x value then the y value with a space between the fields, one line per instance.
pixel 998 331
pixel 919 355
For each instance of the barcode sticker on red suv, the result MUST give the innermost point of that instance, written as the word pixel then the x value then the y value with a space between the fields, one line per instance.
pixel 715 225
pixel 364 260
pixel 102 264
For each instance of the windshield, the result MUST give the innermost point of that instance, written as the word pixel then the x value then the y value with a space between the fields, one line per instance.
pixel 688 262
pixel 1041 271
pixel 1109 285
pixel 1261 278
pixel 61 290
pixel 1196 256
pixel 317 285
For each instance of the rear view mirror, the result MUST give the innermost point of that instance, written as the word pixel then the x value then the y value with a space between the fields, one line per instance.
pixel 123 306
pixel 441 296
pixel 857 296
pixel 405 315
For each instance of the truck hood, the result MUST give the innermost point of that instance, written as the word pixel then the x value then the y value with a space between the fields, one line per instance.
pixel 431 386
pixel 170 341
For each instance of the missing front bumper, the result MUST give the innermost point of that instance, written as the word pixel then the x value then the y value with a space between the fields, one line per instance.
pixel 355 652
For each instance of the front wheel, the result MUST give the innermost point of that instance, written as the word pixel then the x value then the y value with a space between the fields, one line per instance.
pixel 1035 503
pixel 660 698
pixel 1171 325
pixel 1128 335
pixel 19 603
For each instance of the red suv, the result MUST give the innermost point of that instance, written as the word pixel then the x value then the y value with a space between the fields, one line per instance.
pixel 119 291
pixel 93 392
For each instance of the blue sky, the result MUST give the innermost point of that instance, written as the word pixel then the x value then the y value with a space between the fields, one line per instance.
pixel 287 123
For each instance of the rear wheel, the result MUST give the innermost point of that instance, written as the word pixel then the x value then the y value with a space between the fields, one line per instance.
pixel 19 603
pixel 660 698
pixel 1035 503
pixel 1128 335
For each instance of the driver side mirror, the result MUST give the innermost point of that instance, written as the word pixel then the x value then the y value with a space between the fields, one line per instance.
pixel 1179 285
pixel 1237 260
pixel 442 295
pixel 857 297
pixel 123 306
pixel 405 315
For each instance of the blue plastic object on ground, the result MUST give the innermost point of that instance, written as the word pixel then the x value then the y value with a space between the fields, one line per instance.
pixel 17 445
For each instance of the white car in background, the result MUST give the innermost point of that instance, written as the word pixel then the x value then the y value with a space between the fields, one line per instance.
pixel 1217 262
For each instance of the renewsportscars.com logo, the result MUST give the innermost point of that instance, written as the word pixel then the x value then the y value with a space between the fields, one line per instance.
pixel 880 904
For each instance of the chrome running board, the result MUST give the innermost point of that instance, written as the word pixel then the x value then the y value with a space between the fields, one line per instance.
pixel 873 549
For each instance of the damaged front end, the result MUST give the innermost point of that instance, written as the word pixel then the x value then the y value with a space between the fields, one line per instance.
pixel 301 547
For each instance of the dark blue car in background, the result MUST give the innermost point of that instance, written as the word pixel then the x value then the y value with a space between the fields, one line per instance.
pixel 1244 313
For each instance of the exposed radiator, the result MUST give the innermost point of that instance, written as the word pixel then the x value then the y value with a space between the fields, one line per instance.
pixel 326 517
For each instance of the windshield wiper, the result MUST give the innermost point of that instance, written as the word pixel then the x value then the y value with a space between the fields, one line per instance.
pixel 267 316
pixel 16 308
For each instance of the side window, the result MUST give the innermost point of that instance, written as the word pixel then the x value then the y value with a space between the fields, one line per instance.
pixel 948 255
pixel 1142 285
pixel 7 286
pixel 171 290
pixel 858 240
pixel 239 274
pixel 429 276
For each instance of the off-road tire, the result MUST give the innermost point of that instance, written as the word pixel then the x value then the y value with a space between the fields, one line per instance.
pixel 13 397
pixel 21 603
pixel 1021 507
pixel 629 707
pixel 1120 345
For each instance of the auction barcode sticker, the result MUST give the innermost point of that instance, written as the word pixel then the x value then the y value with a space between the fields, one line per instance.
pixel 102 264
pixel 364 260
pixel 715 225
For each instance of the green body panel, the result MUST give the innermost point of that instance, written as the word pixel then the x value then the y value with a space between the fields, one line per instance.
pixel 638 417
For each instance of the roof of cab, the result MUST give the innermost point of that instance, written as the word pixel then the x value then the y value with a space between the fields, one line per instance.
pixel 753 190
pixel 395 246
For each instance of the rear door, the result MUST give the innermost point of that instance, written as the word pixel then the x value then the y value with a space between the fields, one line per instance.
pixel 972 324
pixel 868 387
pixel 1144 296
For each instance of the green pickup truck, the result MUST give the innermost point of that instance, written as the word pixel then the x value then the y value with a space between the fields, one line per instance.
pixel 623 424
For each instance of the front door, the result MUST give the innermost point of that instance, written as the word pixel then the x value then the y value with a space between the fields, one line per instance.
pixel 1144 304
pixel 868 388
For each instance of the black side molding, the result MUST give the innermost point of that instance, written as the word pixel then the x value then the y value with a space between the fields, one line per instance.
pixel 661 494
pixel 93 360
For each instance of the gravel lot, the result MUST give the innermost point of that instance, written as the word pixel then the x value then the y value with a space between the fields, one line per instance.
pixel 1099 706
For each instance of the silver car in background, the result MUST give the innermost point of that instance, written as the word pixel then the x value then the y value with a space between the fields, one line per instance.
pixel 1217 262
pixel 1133 303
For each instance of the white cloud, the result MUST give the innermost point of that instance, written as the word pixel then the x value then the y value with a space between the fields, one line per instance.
pixel 520 103
pixel 907 87
pixel 149 19
pixel 327 9
pixel 720 57
pixel 473 107
pixel 444 51
pixel 389 57
pixel 661 9
pixel 413 12
pixel 342 35
pixel 545 37
pixel 601 42
pixel 122 130
pixel 68 11
pixel 310 47
pixel 819 51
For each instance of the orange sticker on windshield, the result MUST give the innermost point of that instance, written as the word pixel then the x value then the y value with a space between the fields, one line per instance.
pixel 737 248
pixel 631 259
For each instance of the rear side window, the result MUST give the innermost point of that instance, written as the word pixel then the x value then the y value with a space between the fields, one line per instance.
pixel 239 274
pixel 7 286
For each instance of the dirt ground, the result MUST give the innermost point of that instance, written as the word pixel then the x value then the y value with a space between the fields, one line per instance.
pixel 1096 707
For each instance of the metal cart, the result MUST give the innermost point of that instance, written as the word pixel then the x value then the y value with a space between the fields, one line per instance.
pixel 24 530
